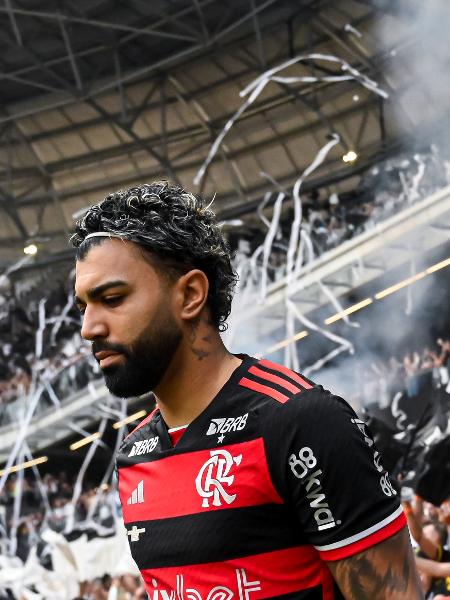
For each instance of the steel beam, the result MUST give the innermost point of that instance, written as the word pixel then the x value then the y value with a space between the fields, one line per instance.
pixel 192 133
pixel 45 15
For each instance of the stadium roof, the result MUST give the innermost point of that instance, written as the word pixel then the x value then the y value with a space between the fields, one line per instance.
pixel 99 95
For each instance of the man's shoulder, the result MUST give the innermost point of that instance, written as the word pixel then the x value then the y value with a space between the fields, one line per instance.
pixel 289 392
pixel 273 382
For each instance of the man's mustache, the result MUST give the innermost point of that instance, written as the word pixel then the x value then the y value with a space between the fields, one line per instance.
pixel 99 346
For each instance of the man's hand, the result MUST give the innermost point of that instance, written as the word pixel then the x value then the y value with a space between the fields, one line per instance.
pixel 386 571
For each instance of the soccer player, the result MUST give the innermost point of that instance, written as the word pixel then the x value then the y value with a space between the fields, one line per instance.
pixel 249 480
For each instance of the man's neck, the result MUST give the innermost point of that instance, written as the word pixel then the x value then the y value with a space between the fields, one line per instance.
pixel 201 367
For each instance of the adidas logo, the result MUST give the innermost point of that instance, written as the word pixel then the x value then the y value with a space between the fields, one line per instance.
pixel 137 495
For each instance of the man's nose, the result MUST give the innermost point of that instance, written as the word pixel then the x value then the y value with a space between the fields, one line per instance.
pixel 93 325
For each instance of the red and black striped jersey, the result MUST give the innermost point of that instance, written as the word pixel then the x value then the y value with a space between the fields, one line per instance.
pixel 274 478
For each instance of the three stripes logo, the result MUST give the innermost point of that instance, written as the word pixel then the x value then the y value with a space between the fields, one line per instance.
pixel 274 380
pixel 137 495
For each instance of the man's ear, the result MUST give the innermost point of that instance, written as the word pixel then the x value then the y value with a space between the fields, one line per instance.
pixel 191 294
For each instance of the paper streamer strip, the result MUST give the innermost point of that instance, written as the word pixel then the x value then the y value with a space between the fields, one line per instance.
pixel 322 361
pixel 17 505
pixel 53 397
pixel 413 193
pixel 38 478
pixel 77 489
pixel 409 291
pixel 34 399
pixel 345 66
pixel 328 334
pixel 107 476
pixel 336 304
pixel 40 331
pixel 268 242
pixel 61 318
pixel 14 267
pixel 348 27
pixel 261 207
pixel 257 85
pixel 296 225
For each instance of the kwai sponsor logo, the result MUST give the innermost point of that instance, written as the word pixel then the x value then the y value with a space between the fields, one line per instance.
pixel 301 467
pixel 242 588
pixel 144 446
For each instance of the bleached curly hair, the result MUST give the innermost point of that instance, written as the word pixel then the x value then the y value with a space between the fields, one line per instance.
pixel 176 232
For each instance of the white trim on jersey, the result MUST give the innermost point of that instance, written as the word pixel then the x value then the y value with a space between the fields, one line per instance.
pixel 177 428
pixel 362 534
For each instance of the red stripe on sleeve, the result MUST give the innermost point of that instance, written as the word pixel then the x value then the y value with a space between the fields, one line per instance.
pixel 186 484
pixel 274 379
pixel 268 575
pixel 263 389
pixel 276 367
pixel 367 542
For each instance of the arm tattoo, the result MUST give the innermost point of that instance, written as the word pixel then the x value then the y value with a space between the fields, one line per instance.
pixel 384 572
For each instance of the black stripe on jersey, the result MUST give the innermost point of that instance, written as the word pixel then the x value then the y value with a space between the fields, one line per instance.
pixel 214 536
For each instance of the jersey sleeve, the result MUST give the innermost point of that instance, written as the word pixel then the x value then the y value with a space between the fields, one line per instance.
pixel 332 476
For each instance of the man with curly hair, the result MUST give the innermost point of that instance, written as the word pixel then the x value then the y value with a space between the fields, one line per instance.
pixel 248 480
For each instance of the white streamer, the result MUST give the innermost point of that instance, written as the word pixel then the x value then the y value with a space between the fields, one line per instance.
pixel 337 305
pixel 80 477
pixel 414 193
pixel 296 225
pixel 109 470
pixel 61 318
pixel 38 478
pixel 261 207
pixel 40 331
pixel 267 246
pixel 323 361
pixel 14 267
pixel 331 336
pixel 34 399
pixel 17 505
pixel 257 85
pixel 348 27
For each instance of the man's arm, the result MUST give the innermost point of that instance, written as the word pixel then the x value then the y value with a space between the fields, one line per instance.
pixel 387 571
pixel 414 517
pixel 433 568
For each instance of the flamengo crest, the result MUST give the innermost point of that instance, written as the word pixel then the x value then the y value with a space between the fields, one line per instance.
pixel 214 476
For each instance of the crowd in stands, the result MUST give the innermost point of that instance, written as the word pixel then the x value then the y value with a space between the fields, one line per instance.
pixel 429 528
pixel 331 219
pixel 328 219
pixel 383 379
pixel 58 362
pixel 61 361
pixel 95 513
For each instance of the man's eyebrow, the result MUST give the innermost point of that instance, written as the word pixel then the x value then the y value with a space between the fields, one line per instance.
pixel 94 292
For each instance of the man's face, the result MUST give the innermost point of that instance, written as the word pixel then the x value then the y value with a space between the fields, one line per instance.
pixel 127 317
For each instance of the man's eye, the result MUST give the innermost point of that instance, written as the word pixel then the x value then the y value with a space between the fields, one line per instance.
pixel 112 300
pixel 82 309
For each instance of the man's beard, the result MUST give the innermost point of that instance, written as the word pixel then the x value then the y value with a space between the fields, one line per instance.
pixel 144 361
